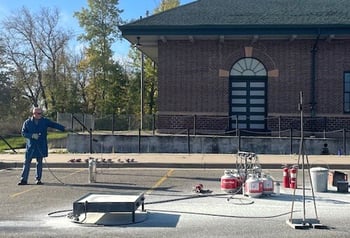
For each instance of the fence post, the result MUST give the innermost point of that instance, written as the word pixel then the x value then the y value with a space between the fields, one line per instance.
pixel 90 134
pixel 279 126
pixel 72 121
pixel 239 139
pixel 113 121
pixel 153 123
pixel 229 123
pixel 344 141
pixel 84 121
pixel 188 141
pixel 236 125
pixel 139 140
pixel 194 124
pixel 291 140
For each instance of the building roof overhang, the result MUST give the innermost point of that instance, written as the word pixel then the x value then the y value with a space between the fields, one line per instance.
pixel 149 36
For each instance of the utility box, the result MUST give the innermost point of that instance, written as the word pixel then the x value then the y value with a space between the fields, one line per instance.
pixel 334 177
pixel 342 187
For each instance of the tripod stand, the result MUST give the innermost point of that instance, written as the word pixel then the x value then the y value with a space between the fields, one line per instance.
pixel 303 223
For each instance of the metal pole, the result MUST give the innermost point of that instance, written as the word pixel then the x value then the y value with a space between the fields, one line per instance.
pixel 239 140
pixel 2 138
pixel 302 151
pixel 139 140
pixel 194 124
pixel 72 121
pixel 279 126
pixel 188 141
pixel 90 133
pixel 84 121
pixel 141 90
pixel 113 119
pixel 153 123
pixel 291 140
pixel 237 132
pixel 313 77
pixel 344 141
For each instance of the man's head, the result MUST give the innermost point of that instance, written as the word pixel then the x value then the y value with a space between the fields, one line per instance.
pixel 37 112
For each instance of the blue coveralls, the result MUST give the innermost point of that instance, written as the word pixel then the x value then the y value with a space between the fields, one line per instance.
pixel 36 148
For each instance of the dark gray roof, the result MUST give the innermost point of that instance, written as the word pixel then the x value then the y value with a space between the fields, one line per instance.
pixel 245 17
pixel 253 12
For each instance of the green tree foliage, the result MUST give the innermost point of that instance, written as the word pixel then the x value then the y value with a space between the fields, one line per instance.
pixel 133 69
pixel 150 86
pixel 106 87
pixel 150 79
pixel 166 5
pixel 11 102
pixel 37 66
pixel 12 105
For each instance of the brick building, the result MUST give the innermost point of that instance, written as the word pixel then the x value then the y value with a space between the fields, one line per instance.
pixel 228 64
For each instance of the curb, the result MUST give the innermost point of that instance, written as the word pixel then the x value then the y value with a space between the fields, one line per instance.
pixel 13 165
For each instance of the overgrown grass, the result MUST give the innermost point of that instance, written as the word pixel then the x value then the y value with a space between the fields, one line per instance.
pixel 18 142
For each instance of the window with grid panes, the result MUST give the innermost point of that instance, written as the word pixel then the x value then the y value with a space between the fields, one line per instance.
pixel 347 92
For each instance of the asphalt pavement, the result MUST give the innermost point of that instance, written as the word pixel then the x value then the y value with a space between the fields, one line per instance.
pixel 172 206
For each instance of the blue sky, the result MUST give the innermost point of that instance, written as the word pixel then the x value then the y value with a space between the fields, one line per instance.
pixel 133 9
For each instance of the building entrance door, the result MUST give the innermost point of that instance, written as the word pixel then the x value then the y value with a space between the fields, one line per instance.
pixel 248 96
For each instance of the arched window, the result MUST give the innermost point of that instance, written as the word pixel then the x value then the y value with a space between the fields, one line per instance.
pixel 248 67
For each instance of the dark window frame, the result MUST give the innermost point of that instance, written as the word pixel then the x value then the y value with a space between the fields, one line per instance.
pixel 346 92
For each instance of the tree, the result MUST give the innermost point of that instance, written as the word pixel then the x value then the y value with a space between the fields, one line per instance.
pixel 35 46
pixel 106 86
pixel 150 70
pixel 12 105
pixel 53 43
pixel 166 5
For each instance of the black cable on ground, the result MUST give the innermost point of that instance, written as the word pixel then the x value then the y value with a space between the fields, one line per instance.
pixel 188 197
pixel 48 168
pixel 53 214
pixel 221 215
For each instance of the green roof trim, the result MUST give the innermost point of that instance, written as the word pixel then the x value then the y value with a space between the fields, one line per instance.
pixel 238 30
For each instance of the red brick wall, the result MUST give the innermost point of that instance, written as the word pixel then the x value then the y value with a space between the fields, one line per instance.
pixel 189 81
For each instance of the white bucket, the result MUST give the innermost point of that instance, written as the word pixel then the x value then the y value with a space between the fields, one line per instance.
pixel 319 178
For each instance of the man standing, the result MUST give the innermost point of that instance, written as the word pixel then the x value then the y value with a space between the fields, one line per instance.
pixel 34 129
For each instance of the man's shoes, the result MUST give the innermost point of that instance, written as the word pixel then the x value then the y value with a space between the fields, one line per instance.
pixel 22 182
pixel 38 182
